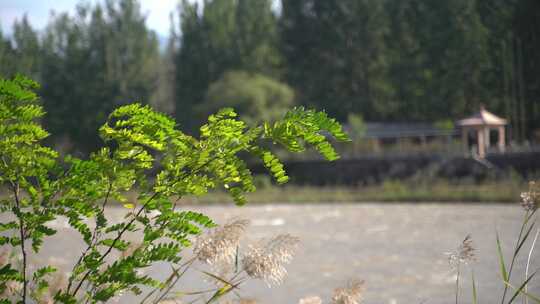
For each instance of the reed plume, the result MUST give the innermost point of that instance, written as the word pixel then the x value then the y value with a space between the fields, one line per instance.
pixel 530 200
pixel 463 254
pixel 352 294
pixel 266 261
pixel 219 244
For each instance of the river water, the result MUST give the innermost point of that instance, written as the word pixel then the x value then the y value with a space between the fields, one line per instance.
pixel 397 249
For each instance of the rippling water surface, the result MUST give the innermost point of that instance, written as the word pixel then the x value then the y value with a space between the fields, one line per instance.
pixel 398 249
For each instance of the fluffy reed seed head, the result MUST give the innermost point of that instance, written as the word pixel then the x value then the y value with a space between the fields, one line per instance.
pixel 463 254
pixel 530 200
pixel 219 244
pixel 266 260
pixel 352 294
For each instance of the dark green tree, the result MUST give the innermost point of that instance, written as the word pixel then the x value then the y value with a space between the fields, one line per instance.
pixel 336 55
pixel 131 51
pixel 225 35
pixel 438 69
pixel 94 62
pixel 74 69
pixel 27 48
pixel 459 54
pixel 7 56
pixel 20 53
pixel 515 62
pixel 257 37
pixel 409 72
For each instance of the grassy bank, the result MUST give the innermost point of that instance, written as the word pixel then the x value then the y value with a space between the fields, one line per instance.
pixel 390 191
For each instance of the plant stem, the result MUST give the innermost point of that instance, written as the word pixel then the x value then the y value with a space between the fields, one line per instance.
pixel 529 263
pixel 93 240
pixel 126 227
pixel 178 276
pixel 173 276
pixel 523 225
pixel 22 236
pixel 175 272
pixel 118 237
pixel 457 283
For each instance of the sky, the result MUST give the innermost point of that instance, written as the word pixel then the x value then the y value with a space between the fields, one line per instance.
pixel 38 12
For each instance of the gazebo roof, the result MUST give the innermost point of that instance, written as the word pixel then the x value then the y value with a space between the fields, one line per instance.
pixel 482 118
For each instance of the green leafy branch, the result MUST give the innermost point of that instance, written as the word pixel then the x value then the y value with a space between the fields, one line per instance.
pixel 148 164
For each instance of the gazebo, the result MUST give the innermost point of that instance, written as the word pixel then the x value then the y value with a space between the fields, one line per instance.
pixel 482 123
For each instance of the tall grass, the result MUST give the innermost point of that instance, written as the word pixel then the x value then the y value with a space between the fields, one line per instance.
pixel 388 191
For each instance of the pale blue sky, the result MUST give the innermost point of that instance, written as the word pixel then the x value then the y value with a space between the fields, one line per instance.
pixel 38 11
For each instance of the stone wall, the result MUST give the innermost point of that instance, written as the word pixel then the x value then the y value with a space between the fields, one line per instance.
pixel 372 170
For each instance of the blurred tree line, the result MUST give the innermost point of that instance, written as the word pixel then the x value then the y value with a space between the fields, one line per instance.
pixel 383 60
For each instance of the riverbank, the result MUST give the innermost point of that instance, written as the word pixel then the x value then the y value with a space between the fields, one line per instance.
pixel 389 191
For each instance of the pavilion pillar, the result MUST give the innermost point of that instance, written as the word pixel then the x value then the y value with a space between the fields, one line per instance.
pixel 487 137
pixel 481 143
pixel 501 143
pixel 465 140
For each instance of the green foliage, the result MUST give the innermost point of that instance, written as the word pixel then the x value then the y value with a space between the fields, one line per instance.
pixel 256 97
pixel 21 51
pixel 221 36
pixel 357 125
pixel 300 127
pixel 328 63
pixel 385 60
pixel 414 60
pixel 28 48
pixel 444 125
pixel 146 154
pixel 7 64
pixel 93 62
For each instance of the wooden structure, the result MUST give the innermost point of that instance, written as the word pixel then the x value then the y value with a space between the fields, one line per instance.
pixel 481 124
